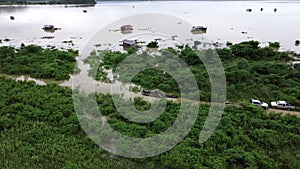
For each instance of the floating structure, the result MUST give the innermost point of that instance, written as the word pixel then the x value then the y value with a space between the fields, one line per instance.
pixel 48 27
pixel 198 29
pixel 126 27
pixel 129 43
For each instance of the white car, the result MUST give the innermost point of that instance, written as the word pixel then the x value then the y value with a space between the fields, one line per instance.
pixel 259 103
pixel 282 105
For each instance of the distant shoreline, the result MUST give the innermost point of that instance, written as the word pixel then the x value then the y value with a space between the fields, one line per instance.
pixel 51 2
pixel 93 2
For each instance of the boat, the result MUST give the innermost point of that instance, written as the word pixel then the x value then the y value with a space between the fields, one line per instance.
pixel 198 29
pixel 48 27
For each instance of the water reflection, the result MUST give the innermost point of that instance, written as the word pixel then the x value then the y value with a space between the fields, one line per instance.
pixel 126 31
pixel 12 9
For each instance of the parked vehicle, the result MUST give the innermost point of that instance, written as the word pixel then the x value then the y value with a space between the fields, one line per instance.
pixel 227 102
pixel 282 105
pixel 152 93
pixel 259 103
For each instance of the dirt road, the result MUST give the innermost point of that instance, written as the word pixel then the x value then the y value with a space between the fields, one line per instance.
pixel 283 112
pixel 269 110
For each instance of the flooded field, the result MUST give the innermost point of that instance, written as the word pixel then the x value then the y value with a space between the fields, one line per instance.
pixel 99 27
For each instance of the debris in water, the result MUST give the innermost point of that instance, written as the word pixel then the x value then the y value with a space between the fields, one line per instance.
pixel 174 36
pixel 47 37
pixel 67 41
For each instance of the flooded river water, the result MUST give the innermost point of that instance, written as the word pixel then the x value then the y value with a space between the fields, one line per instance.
pixel 225 20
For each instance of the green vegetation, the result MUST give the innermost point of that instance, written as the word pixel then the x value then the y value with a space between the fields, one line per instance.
pixel 251 71
pixel 229 43
pixel 37 62
pixel 131 50
pixel 152 44
pixel 39 129
pixel 275 45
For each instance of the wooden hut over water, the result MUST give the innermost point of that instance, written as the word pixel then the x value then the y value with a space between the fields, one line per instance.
pixel 126 27
pixel 129 43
